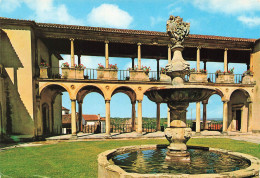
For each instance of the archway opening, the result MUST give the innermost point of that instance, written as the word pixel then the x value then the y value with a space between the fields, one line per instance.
pixel 91 110
pixel 238 111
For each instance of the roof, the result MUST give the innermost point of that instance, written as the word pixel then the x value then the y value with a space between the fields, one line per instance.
pixel 126 31
pixel 66 118
pixel 92 117
pixel 64 109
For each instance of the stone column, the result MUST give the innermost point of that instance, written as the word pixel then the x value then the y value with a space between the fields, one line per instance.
pixel 107 117
pixel 250 104
pixel 225 60
pixel 158 125
pixel 169 53
pixel 168 118
pixel 72 57
pixel 80 116
pixel 158 69
pixel 205 125
pixel 139 55
pixel 205 65
pixel 106 54
pixel 79 59
pixel 197 117
pixel 73 118
pixel 198 59
pixel 244 119
pixel 139 119
pixel 37 122
pixel 133 116
pixel 225 116
pixel 133 63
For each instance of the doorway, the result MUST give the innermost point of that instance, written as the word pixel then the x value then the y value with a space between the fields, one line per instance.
pixel 45 119
pixel 238 120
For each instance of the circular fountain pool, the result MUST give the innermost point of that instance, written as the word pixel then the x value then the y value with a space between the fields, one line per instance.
pixel 147 160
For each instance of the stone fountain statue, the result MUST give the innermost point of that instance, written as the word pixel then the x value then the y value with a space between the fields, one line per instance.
pixel 177 30
pixel 178 96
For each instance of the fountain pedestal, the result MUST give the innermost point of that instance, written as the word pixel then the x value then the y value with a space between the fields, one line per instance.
pixel 178 134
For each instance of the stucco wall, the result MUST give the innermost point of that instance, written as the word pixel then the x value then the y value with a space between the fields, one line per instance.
pixel 256 101
pixel 17 60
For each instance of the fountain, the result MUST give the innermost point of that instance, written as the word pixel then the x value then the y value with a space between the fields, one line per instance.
pixel 177 96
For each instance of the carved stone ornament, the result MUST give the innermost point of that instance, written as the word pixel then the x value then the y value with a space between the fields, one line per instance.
pixel 177 29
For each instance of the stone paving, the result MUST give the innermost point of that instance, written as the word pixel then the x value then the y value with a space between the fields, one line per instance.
pixel 249 137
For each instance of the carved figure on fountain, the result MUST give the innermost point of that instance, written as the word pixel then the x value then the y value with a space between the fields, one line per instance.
pixel 177 31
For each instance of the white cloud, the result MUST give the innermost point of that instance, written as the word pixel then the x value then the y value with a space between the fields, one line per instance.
pixel 250 21
pixel 156 20
pixel 9 5
pixel 43 11
pixel 46 11
pixel 228 7
pixel 109 15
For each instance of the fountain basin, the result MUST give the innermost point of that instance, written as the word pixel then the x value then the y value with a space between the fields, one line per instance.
pixel 179 94
pixel 106 168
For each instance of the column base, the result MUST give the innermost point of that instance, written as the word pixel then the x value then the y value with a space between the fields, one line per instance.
pixel 224 133
pixel 197 133
pixel 73 137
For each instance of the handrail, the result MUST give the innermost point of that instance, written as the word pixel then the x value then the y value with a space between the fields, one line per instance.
pixel 92 74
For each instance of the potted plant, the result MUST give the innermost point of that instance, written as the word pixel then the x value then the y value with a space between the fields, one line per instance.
pixel 163 76
pixel 65 70
pixel 225 77
pixel 79 72
pixel 247 77
pixel 43 70
pixel 140 75
pixel 200 76
pixel 107 74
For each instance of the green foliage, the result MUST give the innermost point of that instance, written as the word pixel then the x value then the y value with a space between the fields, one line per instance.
pixel 79 159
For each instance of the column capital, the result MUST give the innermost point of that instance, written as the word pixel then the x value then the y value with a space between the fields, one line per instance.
pixel 80 102
pixel 169 45
pixel 249 100
pixel 139 44
pixel 72 39
pixel 73 100
pixel 107 101
pixel 226 49
pixel 106 41
pixel 139 101
pixel 225 100
pixel 198 47
pixel 205 102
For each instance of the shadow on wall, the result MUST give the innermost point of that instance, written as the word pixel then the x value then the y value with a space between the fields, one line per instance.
pixel 15 117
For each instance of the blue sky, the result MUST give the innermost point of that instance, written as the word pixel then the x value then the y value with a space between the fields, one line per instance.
pixel 233 18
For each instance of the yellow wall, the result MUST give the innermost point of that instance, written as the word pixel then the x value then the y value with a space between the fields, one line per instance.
pixel 19 86
pixel 256 101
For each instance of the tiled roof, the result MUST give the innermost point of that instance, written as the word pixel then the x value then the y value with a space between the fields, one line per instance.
pixel 63 108
pixel 139 32
pixel 127 31
pixel 92 117
pixel 66 118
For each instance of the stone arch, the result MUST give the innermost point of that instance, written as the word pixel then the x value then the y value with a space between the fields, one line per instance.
pixel 245 92
pixel 86 89
pixel 238 118
pixel 54 87
pixel 126 90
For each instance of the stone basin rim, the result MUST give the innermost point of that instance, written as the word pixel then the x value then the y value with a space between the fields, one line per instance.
pixel 107 169
pixel 190 87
